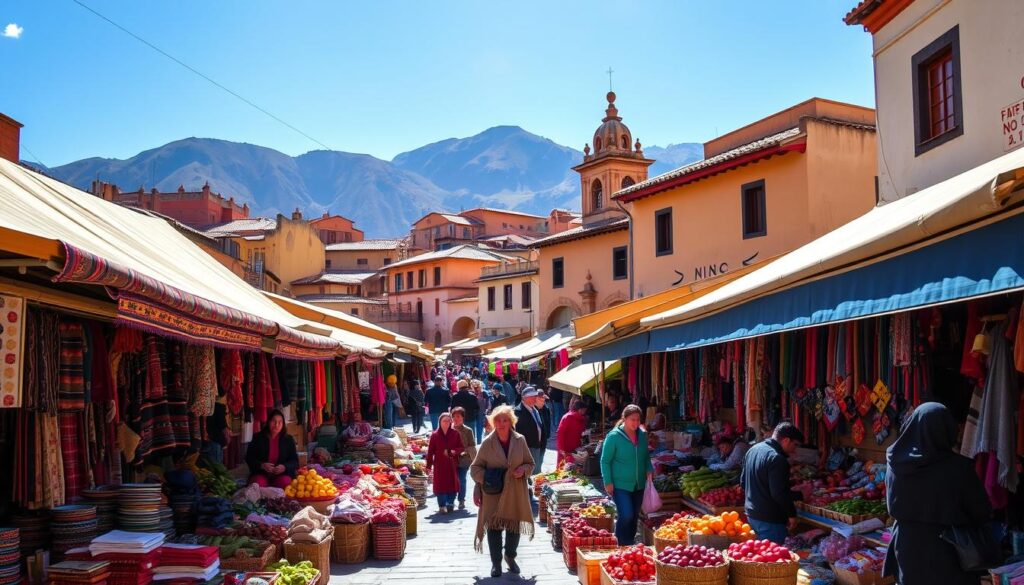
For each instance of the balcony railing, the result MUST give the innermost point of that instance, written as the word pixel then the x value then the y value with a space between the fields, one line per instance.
pixel 391 315
pixel 509 268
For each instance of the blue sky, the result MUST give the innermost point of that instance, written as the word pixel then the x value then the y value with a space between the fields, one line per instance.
pixel 383 77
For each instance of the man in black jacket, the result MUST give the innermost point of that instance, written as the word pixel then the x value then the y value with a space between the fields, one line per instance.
pixel 467 400
pixel 530 423
pixel 765 480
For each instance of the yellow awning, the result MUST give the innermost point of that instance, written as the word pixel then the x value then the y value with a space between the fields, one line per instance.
pixel 578 377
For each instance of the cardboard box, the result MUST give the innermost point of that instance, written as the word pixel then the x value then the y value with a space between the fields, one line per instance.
pixel 844 577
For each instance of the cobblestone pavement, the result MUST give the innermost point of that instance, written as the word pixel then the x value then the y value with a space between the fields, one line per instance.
pixel 441 553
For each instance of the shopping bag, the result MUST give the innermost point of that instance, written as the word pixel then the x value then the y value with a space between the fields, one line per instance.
pixel 652 501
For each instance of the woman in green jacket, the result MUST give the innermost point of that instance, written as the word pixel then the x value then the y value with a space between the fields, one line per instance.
pixel 625 469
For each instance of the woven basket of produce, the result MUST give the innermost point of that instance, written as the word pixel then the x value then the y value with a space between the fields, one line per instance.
pixel 253 563
pixel 388 541
pixel 410 518
pixel 709 540
pixel 317 553
pixel 661 544
pixel 351 543
pixel 691 565
pixel 771 568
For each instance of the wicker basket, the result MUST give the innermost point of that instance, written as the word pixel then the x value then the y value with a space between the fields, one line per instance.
pixel 675 575
pixel 388 541
pixel 746 573
pixel 543 515
pixel 709 540
pixel 351 543
pixel 318 504
pixel 251 564
pixel 319 554
pixel 410 518
pixel 385 452
pixel 661 544
pixel 555 528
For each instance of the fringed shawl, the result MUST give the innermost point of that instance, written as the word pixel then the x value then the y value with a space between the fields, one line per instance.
pixel 510 510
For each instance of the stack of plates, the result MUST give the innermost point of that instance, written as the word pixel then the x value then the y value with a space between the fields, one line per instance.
pixel 139 507
pixel 72 526
pixel 33 531
pixel 166 521
pixel 104 497
pixel 10 555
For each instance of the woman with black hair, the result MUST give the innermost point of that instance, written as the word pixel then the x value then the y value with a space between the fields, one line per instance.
pixel 272 457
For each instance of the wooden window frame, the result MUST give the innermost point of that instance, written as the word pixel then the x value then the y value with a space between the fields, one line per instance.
pixel 491 298
pixel 558 275
pixel 624 250
pixel 506 294
pixel 761 203
pixel 526 293
pixel 437 276
pixel 919 65
pixel 671 243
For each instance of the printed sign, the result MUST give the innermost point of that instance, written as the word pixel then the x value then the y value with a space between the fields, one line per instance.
pixel 12 349
pixel 1012 120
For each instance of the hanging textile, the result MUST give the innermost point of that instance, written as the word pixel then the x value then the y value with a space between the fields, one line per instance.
pixel 71 397
pixel 996 430
pixel 201 378
pixel 231 375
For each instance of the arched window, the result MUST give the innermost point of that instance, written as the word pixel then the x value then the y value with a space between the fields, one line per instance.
pixel 597 144
pixel 627 182
pixel 596 195
pixel 625 142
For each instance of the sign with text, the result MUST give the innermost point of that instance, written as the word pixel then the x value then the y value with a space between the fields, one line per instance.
pixel 1012 120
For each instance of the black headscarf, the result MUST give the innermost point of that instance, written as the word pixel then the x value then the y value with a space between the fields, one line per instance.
pixel 928 437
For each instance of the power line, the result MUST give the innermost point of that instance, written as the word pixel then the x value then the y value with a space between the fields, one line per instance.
pixel 34 157
pixel 200 74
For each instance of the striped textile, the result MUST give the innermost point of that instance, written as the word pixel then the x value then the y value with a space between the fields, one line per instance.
pixel 71 392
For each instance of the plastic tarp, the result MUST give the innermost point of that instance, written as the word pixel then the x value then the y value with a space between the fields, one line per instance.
pixel 955 240
pixel 578 376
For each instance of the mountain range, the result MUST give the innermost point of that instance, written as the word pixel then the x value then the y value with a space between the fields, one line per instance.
pixel 504 167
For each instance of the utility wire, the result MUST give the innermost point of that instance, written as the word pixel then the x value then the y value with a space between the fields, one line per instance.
pixel 200 74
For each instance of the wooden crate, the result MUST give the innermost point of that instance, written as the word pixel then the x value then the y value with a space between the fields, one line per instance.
pixel 588 563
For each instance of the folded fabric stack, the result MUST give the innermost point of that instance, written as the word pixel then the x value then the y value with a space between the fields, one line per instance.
pixel 125 568
pixel 215 512
pixel 10 555
pixel 121 541
pixel 78 573
pixel 186 561
pixel 309 526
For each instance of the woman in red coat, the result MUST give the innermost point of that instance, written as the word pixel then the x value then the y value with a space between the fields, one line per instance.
pixel 570 430
pixel 443 457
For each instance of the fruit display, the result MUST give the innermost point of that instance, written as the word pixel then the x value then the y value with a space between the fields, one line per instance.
pixel 579 527
pixel 675 528
pixel 858 507
pixel 691 556
pixel 723 497
pixel 633 564
pixel 667 483
pixel 595 511
pixel 309 484
pixel 695 483
pixel 298 574
pixel 863 480
pixel 726 524
pixel 759 551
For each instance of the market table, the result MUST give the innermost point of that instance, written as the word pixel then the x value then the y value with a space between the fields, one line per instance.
pixel 823 522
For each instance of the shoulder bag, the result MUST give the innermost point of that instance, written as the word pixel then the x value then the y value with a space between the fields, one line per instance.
pixel 976 546
pixel 494 480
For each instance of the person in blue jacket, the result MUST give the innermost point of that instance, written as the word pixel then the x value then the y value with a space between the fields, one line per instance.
pixel 625 468
pixel 438 400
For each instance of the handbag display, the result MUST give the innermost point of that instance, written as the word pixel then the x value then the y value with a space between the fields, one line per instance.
pixel 976 546
pixel 494 480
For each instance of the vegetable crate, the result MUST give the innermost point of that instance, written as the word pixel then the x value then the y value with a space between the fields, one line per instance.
pixel 319 553
pixel 254 563
pixel 588 563
pixel 605 522
pixel 607 579
pixel 570 542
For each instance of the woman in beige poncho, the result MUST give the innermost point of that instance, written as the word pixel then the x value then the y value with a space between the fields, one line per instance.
pixel 509 510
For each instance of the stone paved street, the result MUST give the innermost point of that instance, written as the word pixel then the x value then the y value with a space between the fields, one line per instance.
pixel 442 553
